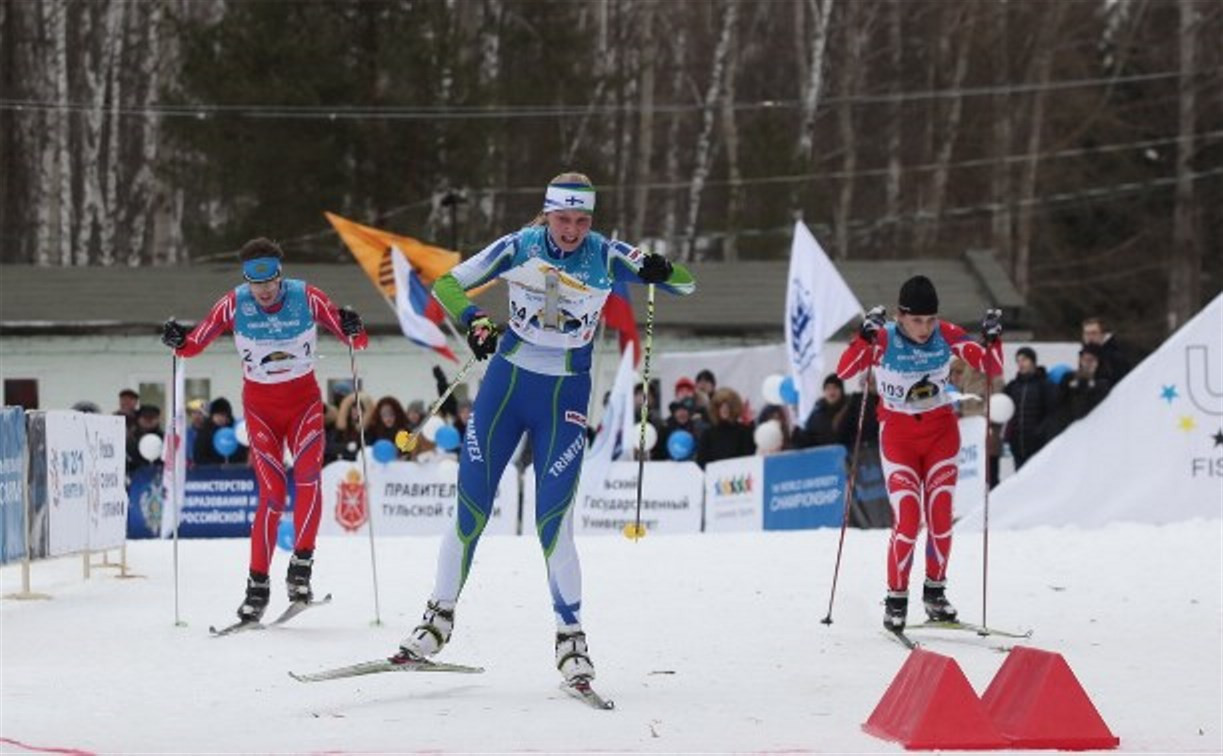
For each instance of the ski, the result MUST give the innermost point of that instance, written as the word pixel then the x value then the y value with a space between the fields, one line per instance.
pixel 297 607
pixel 400 662
pixel 581 689
pixel 970 627
pixel 900 637
pixel 238 627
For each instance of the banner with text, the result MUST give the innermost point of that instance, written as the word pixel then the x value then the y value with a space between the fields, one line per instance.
pixel 970 485
pixel 12 484
pixel 409 498
pixel 84 501
pixel 732 494
pixel 219 501
pixel 670 500
pixel 804 489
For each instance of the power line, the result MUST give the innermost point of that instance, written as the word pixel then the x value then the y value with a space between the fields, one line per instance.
pixel 348 112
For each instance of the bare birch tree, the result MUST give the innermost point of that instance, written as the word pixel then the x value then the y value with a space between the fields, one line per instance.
pixel 704 141
pixel 1184 279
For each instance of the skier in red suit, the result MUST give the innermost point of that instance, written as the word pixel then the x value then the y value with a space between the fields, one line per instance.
pixel 919 435
pixel 275 321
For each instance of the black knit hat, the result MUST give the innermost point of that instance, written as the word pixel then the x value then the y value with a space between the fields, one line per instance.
pixel 918 297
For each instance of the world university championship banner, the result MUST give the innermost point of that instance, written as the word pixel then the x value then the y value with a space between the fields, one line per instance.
pixel 12 486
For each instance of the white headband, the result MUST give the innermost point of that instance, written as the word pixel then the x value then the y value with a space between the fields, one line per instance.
pixel 569 197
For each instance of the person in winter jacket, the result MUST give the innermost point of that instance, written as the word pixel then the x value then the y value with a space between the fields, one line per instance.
pixel 1035 398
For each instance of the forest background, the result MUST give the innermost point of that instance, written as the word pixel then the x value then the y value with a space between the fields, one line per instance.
pixel 1081 140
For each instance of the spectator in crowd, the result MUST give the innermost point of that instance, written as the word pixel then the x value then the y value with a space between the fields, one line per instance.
pixel 778 414
pixel 682 417
pixel 148 421
pixel 706 384
pixel 1035 399
pixel 970 381
pixel 462 417
pixel 847 425
pixel 1113 361
pixel 129 402
pixel 820 429
pixel 345 442
pixel 450 407
pixel 220 415
pixel 196 417
pixel 339 390
pixel 385 422
pixel 727 437
pixel 415 414
pixel 1081 390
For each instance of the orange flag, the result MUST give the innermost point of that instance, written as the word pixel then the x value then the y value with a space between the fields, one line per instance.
pixel 372 248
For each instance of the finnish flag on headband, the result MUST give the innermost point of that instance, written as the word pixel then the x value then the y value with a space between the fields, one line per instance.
pixel 818 303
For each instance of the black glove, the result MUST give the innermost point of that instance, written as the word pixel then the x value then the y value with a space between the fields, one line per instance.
pixel 991 325
pixel 173 334
pixel 655 269
pixel 482 337
pixel 350 322
pixel 876 318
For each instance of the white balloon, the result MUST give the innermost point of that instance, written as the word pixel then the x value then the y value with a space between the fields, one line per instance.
pixel 1001 408
pixel 768 437
pixel 771 389
pixel 150 446
pixel 431 427
pixel 241 434
pixel 651 436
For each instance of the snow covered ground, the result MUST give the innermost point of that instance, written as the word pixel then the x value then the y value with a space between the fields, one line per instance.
pixel 706 642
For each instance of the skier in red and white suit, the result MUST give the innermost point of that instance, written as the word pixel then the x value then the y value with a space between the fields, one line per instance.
pixel 919 435
pixel 274 322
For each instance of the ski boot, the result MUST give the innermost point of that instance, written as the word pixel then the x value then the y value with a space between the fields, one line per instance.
pixel 572 655
pixel 895 611
pixel 431 634
pixel 938 608
pixel 258 591
pixel 298 580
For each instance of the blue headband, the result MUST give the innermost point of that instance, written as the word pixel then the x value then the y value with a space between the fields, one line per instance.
pixel 261 269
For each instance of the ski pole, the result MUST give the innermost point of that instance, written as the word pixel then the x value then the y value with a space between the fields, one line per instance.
pixel 849 486
pixel 369 504
pixel 635 530
pixel 989 342
pixel 179 436
pixel 405 441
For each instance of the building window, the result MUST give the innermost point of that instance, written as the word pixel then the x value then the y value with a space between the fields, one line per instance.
pixel 21 392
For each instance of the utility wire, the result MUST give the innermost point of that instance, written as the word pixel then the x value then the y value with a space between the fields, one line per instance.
pixel 339 112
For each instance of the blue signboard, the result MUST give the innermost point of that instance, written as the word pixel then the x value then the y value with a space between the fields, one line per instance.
pixel 12 485
pixel 220 502
pixel 804 489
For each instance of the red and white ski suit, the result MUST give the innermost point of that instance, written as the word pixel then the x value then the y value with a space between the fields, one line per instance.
pixel 919 435
pixel 282 402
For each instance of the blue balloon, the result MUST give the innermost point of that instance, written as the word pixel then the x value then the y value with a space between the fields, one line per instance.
pixel 1058 371
pixel 285 537
pixel 447 438
pixel 680 444
pixel 789 392
pixel 225 441
pixel 384 450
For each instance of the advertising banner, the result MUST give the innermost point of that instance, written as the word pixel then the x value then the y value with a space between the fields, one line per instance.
pixel 409 498
pixel 670 502
pixel 970 485
pixel 219 502
pixel 12 484
pixel 86 502
pixel 733 498
pixel 804 489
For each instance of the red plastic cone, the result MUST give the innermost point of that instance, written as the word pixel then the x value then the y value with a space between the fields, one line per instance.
pixel 1036 702
pixel 929 705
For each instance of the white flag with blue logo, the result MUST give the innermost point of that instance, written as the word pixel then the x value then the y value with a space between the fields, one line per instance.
pixel 818 303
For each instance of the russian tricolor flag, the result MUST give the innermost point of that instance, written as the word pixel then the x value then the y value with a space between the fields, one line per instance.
pixel 419 313
pixel 618 315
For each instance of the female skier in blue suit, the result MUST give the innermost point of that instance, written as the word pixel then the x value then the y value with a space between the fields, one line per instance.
pixel 559 274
